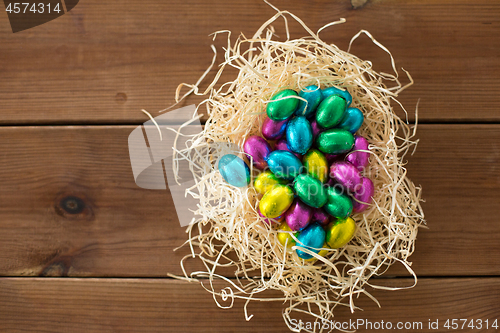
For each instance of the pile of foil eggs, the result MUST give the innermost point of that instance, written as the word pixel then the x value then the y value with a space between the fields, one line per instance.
pixel 312 181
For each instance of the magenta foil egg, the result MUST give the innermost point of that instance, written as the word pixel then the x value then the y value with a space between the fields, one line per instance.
pixel 272 129
pixel 259 149
pixel 320 216
pixel 346 175
pixel 283 145
pixel 315 129
pixel 363 193
pixel 359 158
pixel 298 215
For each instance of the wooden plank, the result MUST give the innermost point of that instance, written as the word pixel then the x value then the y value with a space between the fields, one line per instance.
pixel 129 305
pixel 102 63
pixel 128 231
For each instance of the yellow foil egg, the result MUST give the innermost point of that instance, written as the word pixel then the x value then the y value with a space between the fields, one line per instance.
pixel 285 238
pixel 265 181
pixel 316 164
pixel 276 201
pixel 321 253
pixel 340 232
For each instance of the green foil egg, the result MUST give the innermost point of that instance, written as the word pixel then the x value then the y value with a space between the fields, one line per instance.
pixel 316 164
pixel 310 190
pixel 340 232
pixel 331 111
pixel 280 107
pixel 338 204
pixel 335 141
pixel 276 201
pixel 265 181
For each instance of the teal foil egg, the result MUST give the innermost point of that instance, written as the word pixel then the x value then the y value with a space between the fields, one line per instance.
pixel 331 111
pixel 312 238
pixel 234 170
pixel 313 96
pixel 352 121
pixel 282 105
pixel 284 164
pixel 299 135
pixel 336 91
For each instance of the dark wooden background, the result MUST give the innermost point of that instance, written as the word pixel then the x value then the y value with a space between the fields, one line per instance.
pixel 71 92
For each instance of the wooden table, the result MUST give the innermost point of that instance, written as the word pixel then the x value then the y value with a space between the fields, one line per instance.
pixel 71 92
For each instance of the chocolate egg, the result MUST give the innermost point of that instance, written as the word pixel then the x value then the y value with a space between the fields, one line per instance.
pixel 335 141
pixel 234 170
pixel 336 91
pixel 272 129
pixel 316 164
pixel 282 105
pixel 284 164
pixel 338 203
pixel 299 135
pixel 270 221
pixel 352 120
pixel 315 128
pixel 340 232
pixel 346 174
pixel 276 201
pixel 283 145
pixel 363 193
pixel 298 215
pixel 331 111
pixel 313 96
pixel 259 149
pixel 311 238
pixel 320 216
pixel 359 159
pixel 265 181
pixel 285 235
pixel 310 190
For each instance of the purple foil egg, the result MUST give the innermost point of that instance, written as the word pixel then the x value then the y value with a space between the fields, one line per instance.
pixel 259 149
pixel 315 129
pixel 359 158
pixel 363 193
pixel 274 130
pixel 283 145
pixel 320 216
pixel 268 220
pixel 346 175
pixel 298 215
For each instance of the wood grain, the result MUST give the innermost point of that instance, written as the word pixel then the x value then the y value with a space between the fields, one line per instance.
pixel 103 62
pixel 128 231
pixel 129 305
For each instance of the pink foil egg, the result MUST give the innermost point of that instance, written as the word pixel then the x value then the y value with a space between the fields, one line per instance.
pixel 268 220
pixel 359 158
pixel 363 193
pixel 298 215
pixel 272 129
pixel 259 149
pixel 315 129
pixel 283 145
pixel 346 175
pixel 320 216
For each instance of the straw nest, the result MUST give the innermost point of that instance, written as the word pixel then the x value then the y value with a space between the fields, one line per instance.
pixel 229 232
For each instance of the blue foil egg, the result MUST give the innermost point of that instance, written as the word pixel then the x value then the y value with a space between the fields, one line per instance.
pixel 336 91
pixel 313 96
pixel 312 238
pixel 234 170
pixel 299 135
pixel 284 164
pixel 352 120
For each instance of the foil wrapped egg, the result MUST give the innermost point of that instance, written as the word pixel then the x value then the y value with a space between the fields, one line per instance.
pixel 331 111
pixel 284 164
pixel 282 105
pixel 258 149
pixel 358 157
pixel 234 170
pixel 346 174
pixel 338 203
pixel 273 129
pixel 276 201
pixel 311 238
pixel 298 215
pixel 310 190
pixel 316 164
pixel 335 141
pixel 336 91
pixel 352 120
pixel 363 194
pixel 299 135
pixel 340 232
pixel 312 94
